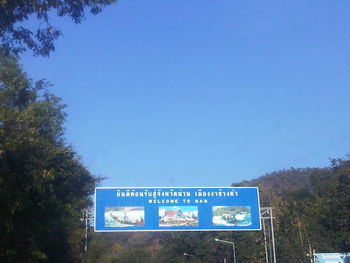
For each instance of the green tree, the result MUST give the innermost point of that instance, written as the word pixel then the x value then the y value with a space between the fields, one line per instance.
pixel 15 38
pixel 339 207
pixel 43 185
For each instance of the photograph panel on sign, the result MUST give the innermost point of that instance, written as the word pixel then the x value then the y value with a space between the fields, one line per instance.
pixel 178 216
pixel 232 216
pixel 126 216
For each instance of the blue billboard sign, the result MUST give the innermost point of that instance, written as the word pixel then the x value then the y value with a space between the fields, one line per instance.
pixel 332 257
pixel 176 209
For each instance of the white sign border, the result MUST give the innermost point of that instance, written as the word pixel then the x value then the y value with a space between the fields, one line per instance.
pixel 176 230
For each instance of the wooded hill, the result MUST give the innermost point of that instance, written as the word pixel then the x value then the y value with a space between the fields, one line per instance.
pixel 312 210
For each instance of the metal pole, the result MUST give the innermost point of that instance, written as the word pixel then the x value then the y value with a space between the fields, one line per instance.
pixel 270 238
pixel 273 237
pixel 86 236
pixel 265 241
pixel 234 253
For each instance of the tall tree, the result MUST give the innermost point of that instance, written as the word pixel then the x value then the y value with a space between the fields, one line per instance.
pixel 43 185
pixel 15 38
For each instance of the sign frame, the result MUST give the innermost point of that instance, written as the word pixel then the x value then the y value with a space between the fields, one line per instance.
pixel 257 215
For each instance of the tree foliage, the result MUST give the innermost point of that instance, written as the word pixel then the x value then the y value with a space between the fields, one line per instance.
pixel 311 208
pixel 16 38
pixel 43 185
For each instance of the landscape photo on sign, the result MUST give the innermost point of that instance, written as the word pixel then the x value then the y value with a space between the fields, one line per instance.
pixel 124 216
pixel 232 216
pixel 178 216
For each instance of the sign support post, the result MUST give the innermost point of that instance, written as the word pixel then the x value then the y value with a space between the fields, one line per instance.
pixel 265 241
pixel 267 214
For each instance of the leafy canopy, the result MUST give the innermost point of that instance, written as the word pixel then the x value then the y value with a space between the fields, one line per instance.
pixel 15 38
pixel 43 184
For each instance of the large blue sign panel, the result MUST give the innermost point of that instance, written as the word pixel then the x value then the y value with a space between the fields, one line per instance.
pixel 177 209
pixel 332 257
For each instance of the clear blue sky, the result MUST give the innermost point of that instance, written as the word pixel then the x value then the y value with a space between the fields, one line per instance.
pixel 203 93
